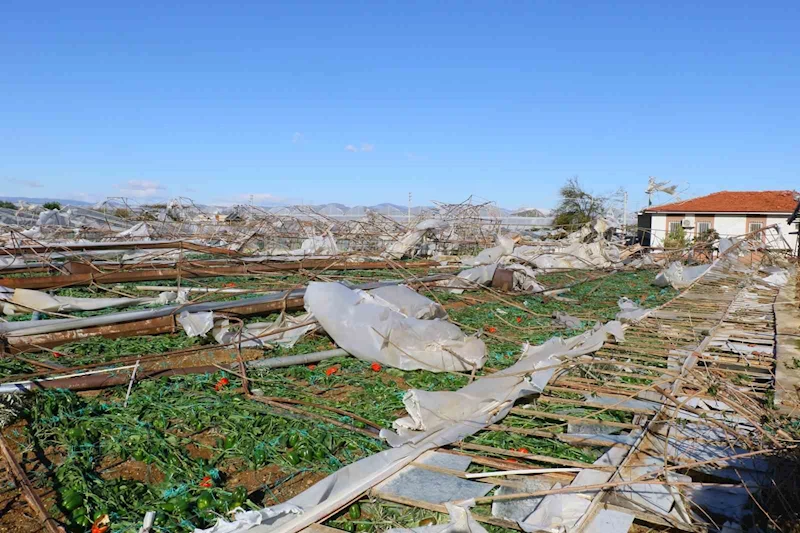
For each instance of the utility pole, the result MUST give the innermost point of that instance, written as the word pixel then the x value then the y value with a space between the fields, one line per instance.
pixel 624 214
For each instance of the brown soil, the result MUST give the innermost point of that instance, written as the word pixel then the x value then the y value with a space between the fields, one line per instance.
pixel 255 479
pixel 15 514
pixel 204 446
pixel 291 488
pixel 136 471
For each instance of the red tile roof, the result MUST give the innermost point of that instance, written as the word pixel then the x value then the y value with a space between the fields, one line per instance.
pixel 754 202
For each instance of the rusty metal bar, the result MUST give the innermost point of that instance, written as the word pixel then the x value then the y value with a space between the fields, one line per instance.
pixel 155 274
pixel 27 489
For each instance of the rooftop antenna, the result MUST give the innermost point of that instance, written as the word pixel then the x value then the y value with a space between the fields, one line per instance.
pixel 654 186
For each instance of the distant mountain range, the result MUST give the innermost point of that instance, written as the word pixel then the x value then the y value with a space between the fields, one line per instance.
pixel 332 208
pixel 27 200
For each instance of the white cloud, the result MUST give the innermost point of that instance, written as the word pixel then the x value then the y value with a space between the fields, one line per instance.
pixel 141 188
pixel 27 183
pixel 297 137
pixel 351 148
pixel 366 147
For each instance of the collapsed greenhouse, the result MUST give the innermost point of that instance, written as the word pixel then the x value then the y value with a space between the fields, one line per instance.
pixel 164 369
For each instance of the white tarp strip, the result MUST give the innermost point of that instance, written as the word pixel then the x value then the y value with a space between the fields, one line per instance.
pixel 560 512
pixel 28 300
pixel 461 521
pixel 630 311
pixel 505 245
pixel 259 334
pixel 196 324
pixel 679 276
pixel 402 246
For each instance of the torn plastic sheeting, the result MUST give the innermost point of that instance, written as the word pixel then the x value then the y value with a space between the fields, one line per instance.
pixel 196 324
pixel 492 401
pixel 41 301
pixel 138 231
pixel 609 521
pixel 371 331
pixel 430 409
pixel 408 302
pixel 629 311
pixel 651 497
pixel 679 276
pixel 401 247
pixel 471 278
pixel 461 521
pixel 622 403
pixel 559 512
pixel 505 245
pixel 258 333
pixel 730 502
pixel 54 217
pixel 778 277
pixel 317 245
pixel 435 487
pixel 524 278
pixel 566 320
pixel 521 508
pixel 751 469
pixel 578 255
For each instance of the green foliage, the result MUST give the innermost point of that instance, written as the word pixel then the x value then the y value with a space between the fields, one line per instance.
pixel 51 205
pixel 122 212
pixel 190 438
pixel 707 236
pixel 576 206
pixel 676 239
pixel 7 205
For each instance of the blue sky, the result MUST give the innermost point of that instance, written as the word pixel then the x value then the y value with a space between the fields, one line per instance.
pixel 363 102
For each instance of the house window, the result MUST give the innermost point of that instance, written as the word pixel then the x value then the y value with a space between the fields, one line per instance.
pixel 703 227
pixel 674 228
pixel 755 226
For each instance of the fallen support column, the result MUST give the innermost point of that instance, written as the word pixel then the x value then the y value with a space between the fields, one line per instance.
pixel 302 359
pixel 190 270
pixel 110 377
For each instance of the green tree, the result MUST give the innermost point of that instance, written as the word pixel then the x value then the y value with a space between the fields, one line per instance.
pixel 7 205
pixel 51 205
pixel 576 206
pixel 676 238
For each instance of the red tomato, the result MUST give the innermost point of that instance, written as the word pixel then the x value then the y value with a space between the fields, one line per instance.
pixel 331 371
pixel 376 367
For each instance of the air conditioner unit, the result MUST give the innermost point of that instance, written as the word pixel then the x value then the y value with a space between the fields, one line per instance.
pixel 686 224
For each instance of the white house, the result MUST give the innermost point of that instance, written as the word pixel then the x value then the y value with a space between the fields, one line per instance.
pixel 729 213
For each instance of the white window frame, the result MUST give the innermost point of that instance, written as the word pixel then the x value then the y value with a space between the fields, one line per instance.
pixel 675 227
pixel 754 226
pixel 703 227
